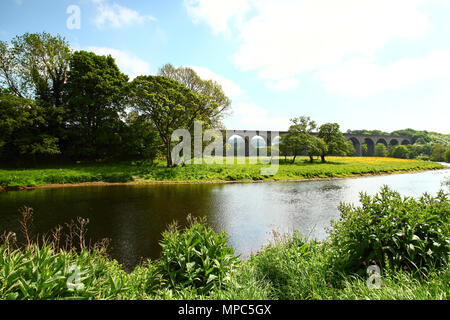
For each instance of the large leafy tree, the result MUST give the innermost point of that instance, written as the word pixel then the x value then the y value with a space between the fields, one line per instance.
pixel 35 65
pixel 21 130
pixel 298 139
pixel 169 105
pixel 210 92
pixel 334 139
pixel 94 95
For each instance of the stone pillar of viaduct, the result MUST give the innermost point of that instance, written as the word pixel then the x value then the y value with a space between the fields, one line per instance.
pixel 357 139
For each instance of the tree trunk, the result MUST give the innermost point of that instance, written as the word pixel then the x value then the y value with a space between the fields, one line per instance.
pixel 323 158
pixel 311 159
pixel 293 160
pixel 169 155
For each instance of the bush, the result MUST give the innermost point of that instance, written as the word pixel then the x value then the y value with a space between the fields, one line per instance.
pixel 447 155
pixel 400 152
pixel 292 268
pixel 393 232
pixel 195 257
pixel 381 150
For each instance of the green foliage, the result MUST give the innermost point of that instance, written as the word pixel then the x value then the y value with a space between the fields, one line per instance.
pixel 168 104
pixel 93 93
pixel 381 150
pixel 22 129
pixel 140 139
pixel 291 267
pixel 438 152
pixel 447 155
pixel 393 232
pixel 211 94
pixel 195 257
pixel 336 143
pixel 401 152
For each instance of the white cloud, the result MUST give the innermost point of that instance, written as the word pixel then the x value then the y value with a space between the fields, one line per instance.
pixel 117 16
pixel 283 84
pixel 216 13
pixel 127 62
pixel 363 77
pixel 230 88
pixel 289 37
pixel 249 116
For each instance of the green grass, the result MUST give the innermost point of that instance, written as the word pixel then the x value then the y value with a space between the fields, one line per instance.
pixel 144 172
pixel 280 271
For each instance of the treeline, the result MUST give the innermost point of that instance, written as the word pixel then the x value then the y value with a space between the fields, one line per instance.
pixel 57 104
pixel 426 145
pixel 299 140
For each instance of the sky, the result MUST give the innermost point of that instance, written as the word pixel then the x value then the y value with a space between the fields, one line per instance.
pixel 382 64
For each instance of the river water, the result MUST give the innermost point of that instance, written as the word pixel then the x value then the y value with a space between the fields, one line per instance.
pixel 133 217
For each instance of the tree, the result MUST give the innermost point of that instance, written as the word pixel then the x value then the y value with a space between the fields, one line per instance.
pixel 447 155
pixel 380 150
pixel 94 94
pixel 210 92
pixel 399 152
pixel 35 65
pixel 21 130
pixel 364 149
pixel 316 147
pixel 140 138
pixel 437 153
pixel 298 138
pixel 169 105
pixel 334 139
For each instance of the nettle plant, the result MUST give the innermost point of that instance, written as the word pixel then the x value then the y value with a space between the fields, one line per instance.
pixel 392 231
pixel 195 256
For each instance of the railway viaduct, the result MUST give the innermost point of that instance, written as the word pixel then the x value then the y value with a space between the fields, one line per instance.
pixel 267 138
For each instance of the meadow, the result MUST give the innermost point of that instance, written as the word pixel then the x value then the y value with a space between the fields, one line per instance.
pixel 143 172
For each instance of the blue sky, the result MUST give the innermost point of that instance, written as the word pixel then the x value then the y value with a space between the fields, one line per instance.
pixel 372 64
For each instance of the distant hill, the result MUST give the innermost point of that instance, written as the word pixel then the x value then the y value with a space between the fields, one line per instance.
pixel 418 137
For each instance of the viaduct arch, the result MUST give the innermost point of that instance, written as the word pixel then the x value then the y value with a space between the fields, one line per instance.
pixel 246 138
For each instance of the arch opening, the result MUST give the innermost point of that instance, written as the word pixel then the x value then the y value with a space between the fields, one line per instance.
pixel 370 147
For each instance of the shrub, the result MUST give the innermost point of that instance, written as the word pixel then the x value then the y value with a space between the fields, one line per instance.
pixel 381 150
pixel 400 152
pixel 392 231
pixel 195 257
pixel 292 268
pixel 447 155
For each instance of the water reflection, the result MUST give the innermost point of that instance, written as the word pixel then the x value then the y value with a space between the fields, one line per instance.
pixel 133 217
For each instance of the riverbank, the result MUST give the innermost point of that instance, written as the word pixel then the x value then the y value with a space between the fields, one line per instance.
pixel 133 173
pixel 197 263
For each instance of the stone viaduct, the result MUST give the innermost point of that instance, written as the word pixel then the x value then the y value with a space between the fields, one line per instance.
pixel 267 138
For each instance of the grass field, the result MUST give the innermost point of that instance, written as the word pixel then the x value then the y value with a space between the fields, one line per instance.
pixel 157 172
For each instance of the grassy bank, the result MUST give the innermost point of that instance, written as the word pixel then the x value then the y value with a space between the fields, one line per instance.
pixel 408 239
pixel 157 172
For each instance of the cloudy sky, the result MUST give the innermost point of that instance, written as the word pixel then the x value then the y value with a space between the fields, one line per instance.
pixel 382 64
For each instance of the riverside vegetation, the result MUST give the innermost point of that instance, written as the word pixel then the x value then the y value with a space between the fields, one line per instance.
pixel 407 238
pixel 140 171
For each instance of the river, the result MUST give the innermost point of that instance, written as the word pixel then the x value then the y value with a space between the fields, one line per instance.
pixel 134 216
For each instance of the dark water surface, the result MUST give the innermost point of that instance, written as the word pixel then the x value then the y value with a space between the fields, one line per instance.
pixel 133 217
